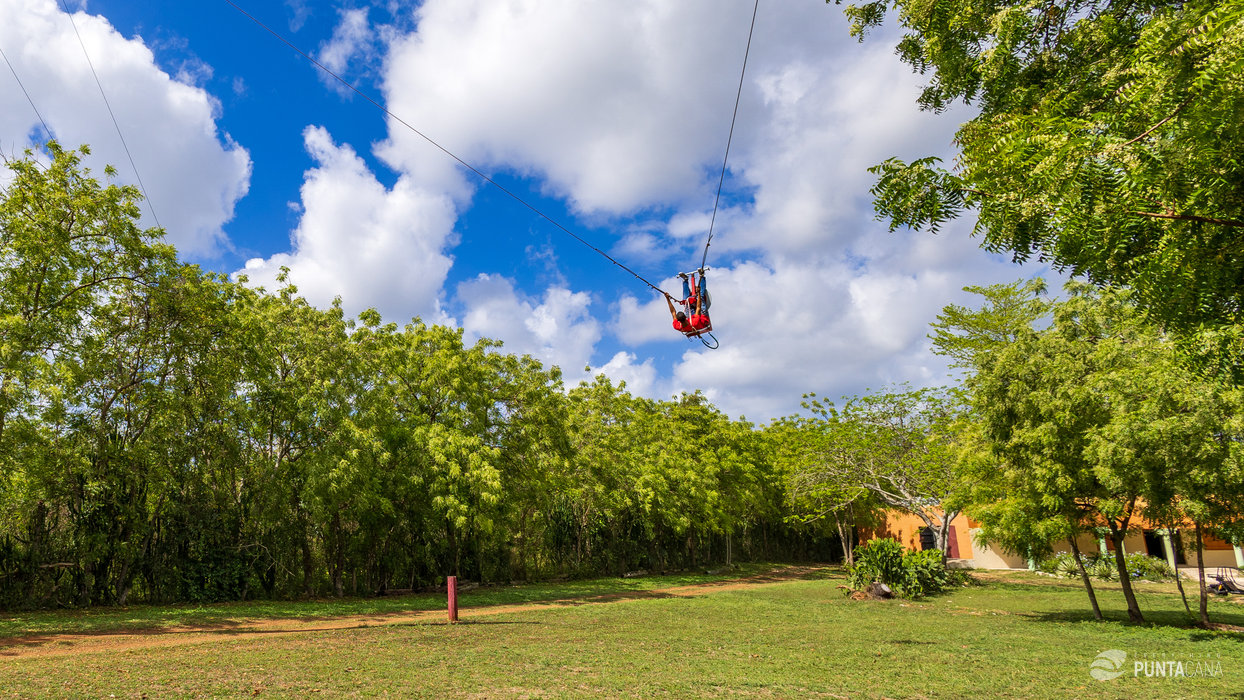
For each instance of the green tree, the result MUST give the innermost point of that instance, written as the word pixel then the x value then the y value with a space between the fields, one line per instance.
pixel 967 336
pixel 297 391
pixel 816 489
pixel 1106 140
pixel 903 446
pixel 1014 512
pixel 1176 428
pixel 1042 406
pixel 69 248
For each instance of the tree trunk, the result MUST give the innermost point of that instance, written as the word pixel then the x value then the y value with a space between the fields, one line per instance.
pixel 1179 583
pixel 939 530
pixel 841 519
pixel 943 534
pixel 1200 571
pixel 1088 584
pixel 338 556
pixel 84 585
pixel 1125 579
pixel 308 563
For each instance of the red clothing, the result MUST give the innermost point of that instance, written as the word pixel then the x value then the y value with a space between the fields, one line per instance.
pixel 699 321
pixel 682 326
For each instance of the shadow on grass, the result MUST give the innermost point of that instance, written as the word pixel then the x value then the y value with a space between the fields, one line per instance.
pixel 15 646
pixel 264 618
pixel 481 622
pixel 603 598
pixel 1231 625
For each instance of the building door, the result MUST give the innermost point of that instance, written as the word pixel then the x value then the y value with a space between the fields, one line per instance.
pixel 1153 543
pixel 927 540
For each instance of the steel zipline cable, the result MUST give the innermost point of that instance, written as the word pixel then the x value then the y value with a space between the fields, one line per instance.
pixel 126 146
pixel 27 94
pixel 730 138
pixel 446 151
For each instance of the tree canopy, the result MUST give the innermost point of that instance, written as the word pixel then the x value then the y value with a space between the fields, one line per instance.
pixel 172 435
pixel 1107 140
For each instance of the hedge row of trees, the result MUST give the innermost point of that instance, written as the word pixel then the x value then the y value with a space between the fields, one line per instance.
pixel 167 434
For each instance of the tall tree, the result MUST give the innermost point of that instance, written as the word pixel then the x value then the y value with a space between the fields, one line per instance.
pixel 1176 428
pixel 816 488
pixel 1106 139
pixel 1017 511
pixel 903 446
pixel 67 246
pixel 1041 403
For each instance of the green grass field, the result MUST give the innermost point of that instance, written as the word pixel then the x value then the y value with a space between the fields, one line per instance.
pixel 1017 635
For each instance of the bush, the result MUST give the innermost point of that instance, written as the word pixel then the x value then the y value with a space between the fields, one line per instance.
pixel 1102 567
pixel 1099 566
pixel 925 573
pixel 908 574
pixel 1061 564
pixel 879 560
pixel 960 578
pixel 1149 568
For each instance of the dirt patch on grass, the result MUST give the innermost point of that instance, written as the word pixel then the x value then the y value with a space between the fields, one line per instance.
pixel 66 644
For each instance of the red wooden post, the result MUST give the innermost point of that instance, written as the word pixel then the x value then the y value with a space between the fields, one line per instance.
pixel 452 585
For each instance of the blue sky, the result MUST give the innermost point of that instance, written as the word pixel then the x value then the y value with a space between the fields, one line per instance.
pixel 609 117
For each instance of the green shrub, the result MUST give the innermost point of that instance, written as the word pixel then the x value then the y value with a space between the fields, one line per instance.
pixel 925 573
pixel 1061 564
pixel 879 560
pixel 1102 566
pixel 1149 568
pixel 958 578
pixel 908 574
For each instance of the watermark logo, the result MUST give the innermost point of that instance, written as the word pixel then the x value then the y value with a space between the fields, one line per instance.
pixel 1113 663
pixel 1108 665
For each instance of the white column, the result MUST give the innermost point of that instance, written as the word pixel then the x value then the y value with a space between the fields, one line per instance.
pixel 1169 548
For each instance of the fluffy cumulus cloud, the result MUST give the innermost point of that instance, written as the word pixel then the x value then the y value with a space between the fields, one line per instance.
pixel 556 328
pixel 821 126
pixel 352 40
pixel 789 326
pixel 616 105
pixel 373 246
pixel 623 110
pixel 640 378
pixel 193 174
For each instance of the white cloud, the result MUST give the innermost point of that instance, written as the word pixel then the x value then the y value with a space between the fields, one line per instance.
pixel 299 12
pixel 352 39
pixel 623 110
pixel 372 246
pixel 556 328
pixel 640 377
pixel 618 105
pixel 193 174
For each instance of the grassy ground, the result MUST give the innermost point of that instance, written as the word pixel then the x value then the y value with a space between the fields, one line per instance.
pixel 154 618
pixel 1018 635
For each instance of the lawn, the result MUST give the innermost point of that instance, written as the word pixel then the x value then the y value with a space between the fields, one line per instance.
pixel 1017 635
